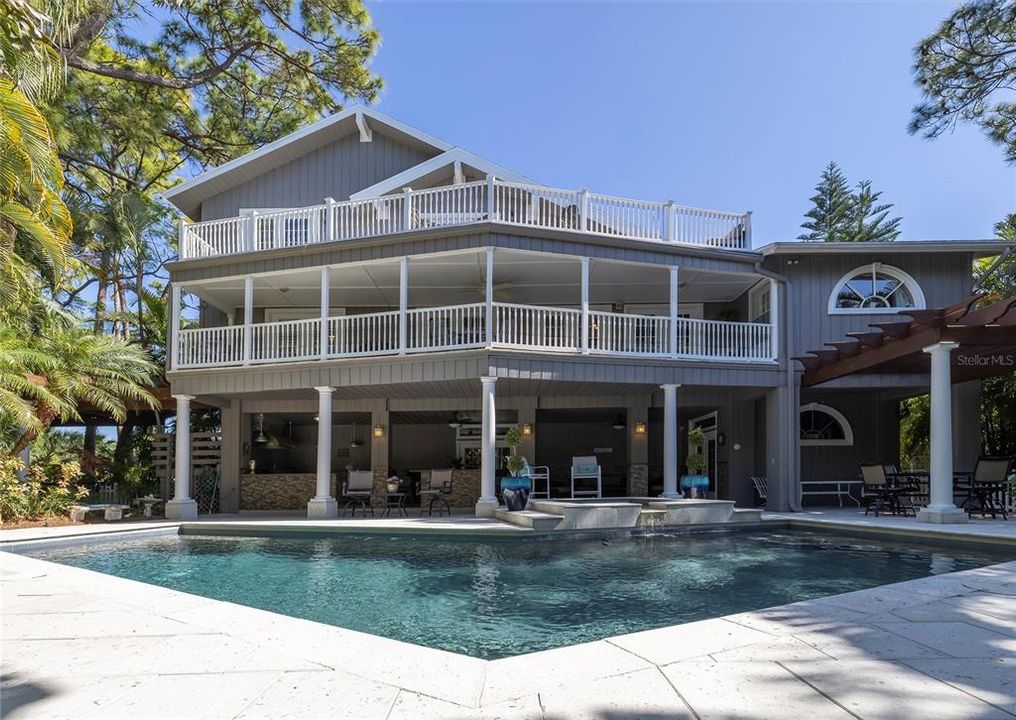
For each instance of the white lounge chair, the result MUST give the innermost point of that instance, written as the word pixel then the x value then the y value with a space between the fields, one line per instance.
pixel 761 488
pixel 584 469
pixel 359 489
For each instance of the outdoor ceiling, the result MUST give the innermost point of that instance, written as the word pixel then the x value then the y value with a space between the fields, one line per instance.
pixel 453 279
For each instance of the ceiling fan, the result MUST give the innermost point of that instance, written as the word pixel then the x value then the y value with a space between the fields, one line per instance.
pixel 502 290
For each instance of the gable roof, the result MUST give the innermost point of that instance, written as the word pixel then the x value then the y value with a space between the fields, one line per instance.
pixel 434 166
pixel 188 195
pixel 980 248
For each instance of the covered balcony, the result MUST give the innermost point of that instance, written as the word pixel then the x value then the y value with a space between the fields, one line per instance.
pixel 464 203
pixel 503 299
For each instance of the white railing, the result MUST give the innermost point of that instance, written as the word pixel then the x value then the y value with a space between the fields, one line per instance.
pixel 616 334
pixel 457 327
pixel 211 347
pixel 723 340
pixel 533 327
pixel 489 200
pixel 363 335
pixel 286 340
pixel 446 328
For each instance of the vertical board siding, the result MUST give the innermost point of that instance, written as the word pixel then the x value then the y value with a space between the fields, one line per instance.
pixel 336 170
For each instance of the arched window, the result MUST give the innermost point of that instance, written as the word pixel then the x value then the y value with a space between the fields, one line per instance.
pixel 822 425
pixel 875 288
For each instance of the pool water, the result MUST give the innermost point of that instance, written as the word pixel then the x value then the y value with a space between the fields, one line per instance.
pixel 499 598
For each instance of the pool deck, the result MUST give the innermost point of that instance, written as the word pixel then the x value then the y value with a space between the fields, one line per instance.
pixel 81 644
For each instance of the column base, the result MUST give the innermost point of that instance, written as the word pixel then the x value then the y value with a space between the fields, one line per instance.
pixel 671 495
pixel 486 507
pixel 950 515
pixel 322 509
pixel 182 509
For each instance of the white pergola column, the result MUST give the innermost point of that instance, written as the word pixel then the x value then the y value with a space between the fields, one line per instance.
pixel 182 506
pixel 487 503
pixel 670 464
pixel 941 508
pixel 323 506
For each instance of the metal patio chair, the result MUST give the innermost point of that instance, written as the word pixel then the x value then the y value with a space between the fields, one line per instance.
pixel 359 489
pixel 761 489
pixel 987 487
pixel 538 473
pixel 436 490
pixel 877 490
pixel 586 468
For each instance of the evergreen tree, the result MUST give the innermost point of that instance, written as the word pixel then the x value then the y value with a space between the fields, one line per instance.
pixel 871 220
pixel 832 205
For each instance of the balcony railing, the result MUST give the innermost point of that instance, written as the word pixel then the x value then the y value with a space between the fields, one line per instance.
pixel 457 327
pixel 490 200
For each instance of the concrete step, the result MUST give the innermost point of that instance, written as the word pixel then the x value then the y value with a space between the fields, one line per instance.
pixel 538 521
pixel 747 515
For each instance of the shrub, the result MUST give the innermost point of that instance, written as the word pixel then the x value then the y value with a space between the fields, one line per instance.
pixel 49 490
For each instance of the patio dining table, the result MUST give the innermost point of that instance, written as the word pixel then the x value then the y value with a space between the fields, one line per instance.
pixel 978 496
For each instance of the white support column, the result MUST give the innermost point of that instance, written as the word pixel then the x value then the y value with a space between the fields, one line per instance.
pixel 403 304
pixel 182 506
pixel 326 294
pixel 670 464
pixel 323 505
pixel 487 503
pixel 248 319
pixel 585 306
pixel 583 203
pixel 329 219
pixel 941 508
pixel 489 299
pixel 774 319
pixel 674 298
pixel 252 231
pixel 670 226
pixel 491 186
pixel 174 327
pixel 407 208
pixel 182 246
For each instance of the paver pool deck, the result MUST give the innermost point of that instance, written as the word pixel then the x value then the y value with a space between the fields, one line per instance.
pixel 81 644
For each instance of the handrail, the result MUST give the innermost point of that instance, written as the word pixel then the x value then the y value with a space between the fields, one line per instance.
pixel 491 200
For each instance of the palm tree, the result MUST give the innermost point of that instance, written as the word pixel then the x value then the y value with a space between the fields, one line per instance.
pixel 75 367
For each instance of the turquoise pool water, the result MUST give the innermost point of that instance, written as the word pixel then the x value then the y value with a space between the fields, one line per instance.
pixel 494 599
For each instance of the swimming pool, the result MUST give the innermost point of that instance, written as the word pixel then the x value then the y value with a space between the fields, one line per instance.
pixel 492 599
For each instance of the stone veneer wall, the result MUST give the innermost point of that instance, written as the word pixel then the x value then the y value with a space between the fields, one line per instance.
pixel 278 491
pixel 638 480
pixel 465 487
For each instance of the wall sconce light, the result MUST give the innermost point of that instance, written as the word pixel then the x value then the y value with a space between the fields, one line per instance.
pixel 527 429
pixel 640 427
pixel 379 432
pixel 721 439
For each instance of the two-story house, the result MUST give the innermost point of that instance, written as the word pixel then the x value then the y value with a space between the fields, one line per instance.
pixel 372 298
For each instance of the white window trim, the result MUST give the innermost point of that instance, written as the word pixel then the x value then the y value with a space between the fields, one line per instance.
pixel 848 431
pixel 908 281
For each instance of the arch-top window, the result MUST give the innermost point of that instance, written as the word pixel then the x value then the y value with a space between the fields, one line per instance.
pixel 875 288
pixel 823 425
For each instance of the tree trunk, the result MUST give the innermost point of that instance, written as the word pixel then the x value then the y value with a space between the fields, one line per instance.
pixel 46 417
pixel 124 438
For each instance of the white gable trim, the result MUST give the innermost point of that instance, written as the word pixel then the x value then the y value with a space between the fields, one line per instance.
pixel 457 157
pixel 358 112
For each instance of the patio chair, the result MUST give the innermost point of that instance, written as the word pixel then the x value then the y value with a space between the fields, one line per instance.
pixel 987 486
pixel 538 474
pixel 586 468
pixel 359 489
pixel 436 489
pixel 761 488
pixel 876 490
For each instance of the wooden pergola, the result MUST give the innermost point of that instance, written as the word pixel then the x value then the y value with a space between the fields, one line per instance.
pixel 972 339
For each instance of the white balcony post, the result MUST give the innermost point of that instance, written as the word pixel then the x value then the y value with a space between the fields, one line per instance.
pixel 174 327
pixel 941 508
pixel 323 506
pixel 182 506
pixel 674 304
pixel 774 319
pixel 329 219
pixel 669 222
pixel 491 184
pixel 585 306
pixel 403 304
pixel 252 231
pixel 583 202
pixel 488 316
pixel 181 243
pixel 407 208
pixel 747 230
pixel 248 319
pixel 487 503
pixel 670 441
pixel 326 294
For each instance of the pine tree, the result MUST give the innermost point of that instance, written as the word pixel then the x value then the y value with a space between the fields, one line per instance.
pixel 871 220
pixel 832 206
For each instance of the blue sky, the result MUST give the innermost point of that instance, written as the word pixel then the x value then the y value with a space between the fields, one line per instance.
pixel 727 106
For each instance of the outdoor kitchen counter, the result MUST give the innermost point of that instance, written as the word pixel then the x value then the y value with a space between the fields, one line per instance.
pixel 278 491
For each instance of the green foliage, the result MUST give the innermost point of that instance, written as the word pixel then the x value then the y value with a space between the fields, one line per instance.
pixel 514 462
pixel 966 71
pixel 48 491
pixel 841 215
pixel 695 461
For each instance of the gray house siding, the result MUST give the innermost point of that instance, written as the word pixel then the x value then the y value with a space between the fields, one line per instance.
pixel 336 170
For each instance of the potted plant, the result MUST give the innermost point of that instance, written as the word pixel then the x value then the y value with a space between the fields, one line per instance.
pixel 393 483
pixel 516 487
pixel 696 483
